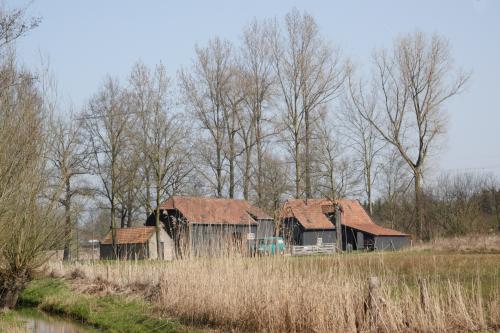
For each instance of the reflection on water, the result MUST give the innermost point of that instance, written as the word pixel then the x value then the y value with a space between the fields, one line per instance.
pixel 47 324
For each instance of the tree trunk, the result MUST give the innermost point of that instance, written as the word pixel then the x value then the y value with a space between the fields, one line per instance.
pixel 148 207
pixel 112 202
pixel 369 191
pixel 260 194
pixel 13 284
pixel 219 173
pixel 338 226
pixel 307 157
pixel 129 218
pixel 113 230
pixel 67 212
pixel 9 297
pixel 246 173
pixel 123 215
pixel 297 169
pixel 231 168
pixel 419 210
pixel 129 209
pixel 157 225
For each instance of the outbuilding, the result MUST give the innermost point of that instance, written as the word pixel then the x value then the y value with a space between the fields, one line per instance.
pixel 312 222
pixel 211 226
pixel 137 243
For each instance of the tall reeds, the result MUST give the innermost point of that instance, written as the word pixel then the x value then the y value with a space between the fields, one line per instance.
pixel 315 294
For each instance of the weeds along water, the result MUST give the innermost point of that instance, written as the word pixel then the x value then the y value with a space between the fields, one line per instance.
pixel 310 294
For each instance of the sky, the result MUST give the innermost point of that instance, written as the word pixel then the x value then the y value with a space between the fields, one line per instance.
pixel 86 40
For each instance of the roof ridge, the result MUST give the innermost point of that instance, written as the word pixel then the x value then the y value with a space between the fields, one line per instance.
pixel 205 198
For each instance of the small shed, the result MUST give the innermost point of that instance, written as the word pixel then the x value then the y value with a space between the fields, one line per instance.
pixel 312 221
pixel 210 226
pixel 137 243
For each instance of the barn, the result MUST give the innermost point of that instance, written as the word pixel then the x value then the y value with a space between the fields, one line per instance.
pixel 312 221
pixel 212 226
pixel 137 243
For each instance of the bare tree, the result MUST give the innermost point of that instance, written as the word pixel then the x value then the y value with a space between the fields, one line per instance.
pixel 204 89
pixel 275 182
pixel 161 135
pixel 258 76
pixel 140 91
pixel 309 74
pixel 106 122
pixel 392 186
pixel 413 84
pixel 233 123
pixel 362 137
pixel 69 159
pixel 14 24
pixel 29 225
pixel 335 172
pixel 131 183
pixel 246 133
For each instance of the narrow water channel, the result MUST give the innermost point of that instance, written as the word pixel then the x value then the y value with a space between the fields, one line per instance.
pixel 37 322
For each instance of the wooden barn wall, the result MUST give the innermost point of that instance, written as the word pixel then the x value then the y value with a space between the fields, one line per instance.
pixel 265 228
pixel 310 237
pixel 391 242
pixel 125 251
pixel 218 239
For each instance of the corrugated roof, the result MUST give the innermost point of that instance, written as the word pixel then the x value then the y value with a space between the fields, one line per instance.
pixel 136 235
pixel 216 211
pixel 311 215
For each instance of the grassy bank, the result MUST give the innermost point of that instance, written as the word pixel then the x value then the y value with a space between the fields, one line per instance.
pixel 110 313
pixel 10 324
pixel 311 294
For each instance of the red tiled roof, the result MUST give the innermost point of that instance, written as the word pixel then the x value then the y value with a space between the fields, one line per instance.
pixel 355 216
pixel 309 215
pixel 312 216
pixel 138 235
pixel 216 211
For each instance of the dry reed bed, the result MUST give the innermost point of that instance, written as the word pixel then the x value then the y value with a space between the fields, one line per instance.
pixel 314 294
pixel 489 243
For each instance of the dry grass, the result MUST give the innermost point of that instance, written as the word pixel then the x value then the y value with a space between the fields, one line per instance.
pixel 313 294
pixel 470 243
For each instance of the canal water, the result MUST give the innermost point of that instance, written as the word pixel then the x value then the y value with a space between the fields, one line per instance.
pixel 38 322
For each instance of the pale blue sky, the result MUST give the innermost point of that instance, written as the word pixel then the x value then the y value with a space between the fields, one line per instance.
pixel 86 40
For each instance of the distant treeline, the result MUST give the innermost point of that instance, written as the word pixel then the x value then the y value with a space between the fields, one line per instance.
pixel 456 204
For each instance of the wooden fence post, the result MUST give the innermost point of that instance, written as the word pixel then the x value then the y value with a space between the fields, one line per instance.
pixel 372 301
pixel 424 294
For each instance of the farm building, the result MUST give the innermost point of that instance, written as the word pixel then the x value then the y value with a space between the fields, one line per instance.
pixel 137 243
pixel 209 226
pixel 312 221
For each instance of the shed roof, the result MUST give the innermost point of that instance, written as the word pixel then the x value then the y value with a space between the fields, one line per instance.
pixel 312 215
pixel 136 235
pixel 215 211
pixel 309 213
